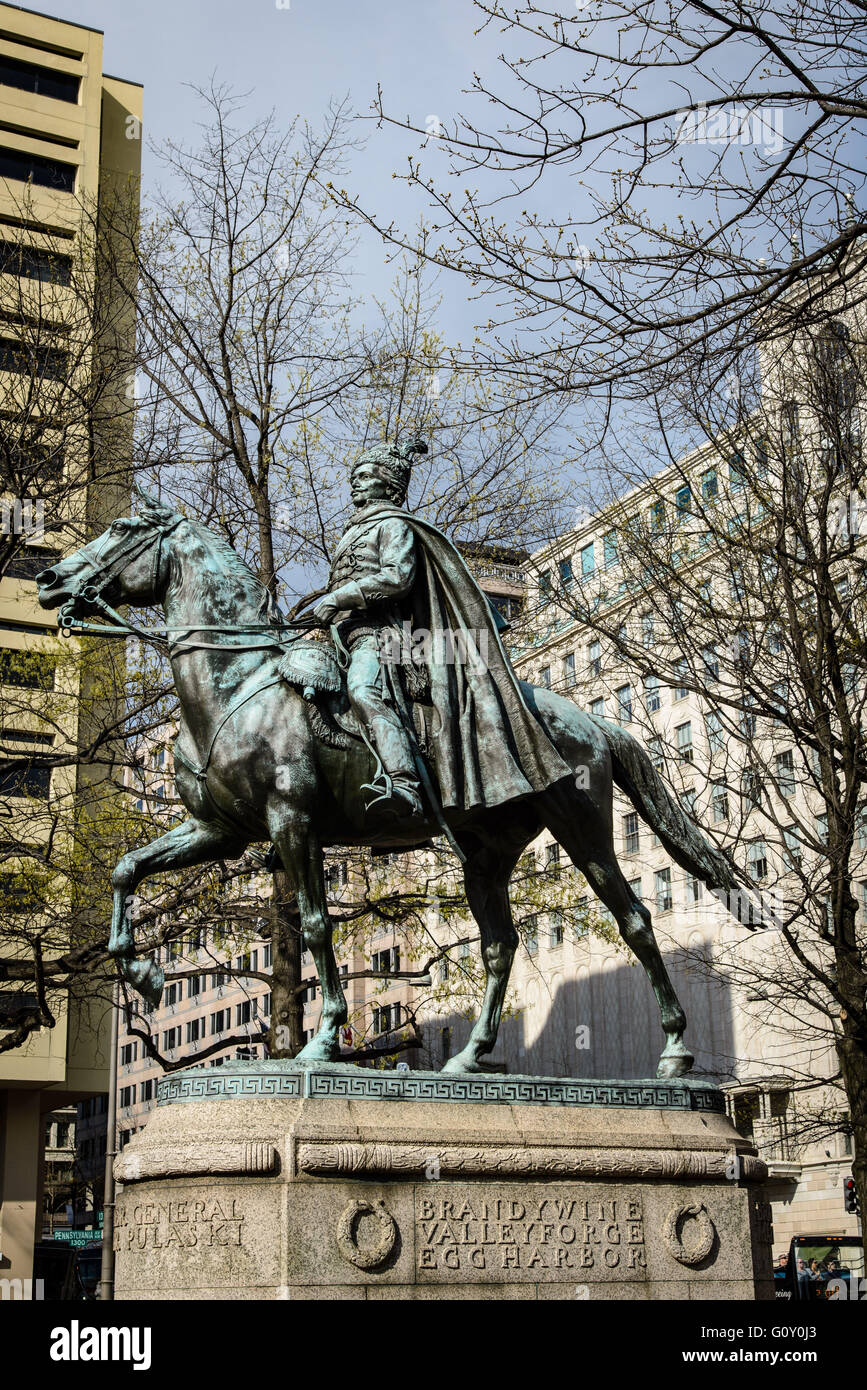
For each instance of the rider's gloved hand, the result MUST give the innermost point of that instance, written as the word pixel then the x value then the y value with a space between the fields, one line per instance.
pixel 339 600
pixel 326 609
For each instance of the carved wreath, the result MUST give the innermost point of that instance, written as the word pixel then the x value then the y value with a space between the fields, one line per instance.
pixel 347 1227
pixel 703 1238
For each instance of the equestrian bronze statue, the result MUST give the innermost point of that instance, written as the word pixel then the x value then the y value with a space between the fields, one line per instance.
pixel 406 723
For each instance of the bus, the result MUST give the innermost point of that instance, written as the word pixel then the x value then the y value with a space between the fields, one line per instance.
pixel 827 1267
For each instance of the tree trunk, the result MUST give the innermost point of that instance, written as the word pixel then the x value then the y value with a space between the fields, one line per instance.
pixel 852 1052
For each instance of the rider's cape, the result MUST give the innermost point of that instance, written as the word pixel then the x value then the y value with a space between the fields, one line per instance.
pixel 488 747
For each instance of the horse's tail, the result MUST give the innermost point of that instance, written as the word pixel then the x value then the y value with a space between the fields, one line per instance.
pixel 635 775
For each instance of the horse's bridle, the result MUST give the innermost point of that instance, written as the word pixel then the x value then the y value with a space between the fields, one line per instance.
pixel 118 626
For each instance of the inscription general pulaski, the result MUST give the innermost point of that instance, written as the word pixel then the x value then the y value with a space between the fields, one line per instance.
pixel 599 1237
pixel 184 1225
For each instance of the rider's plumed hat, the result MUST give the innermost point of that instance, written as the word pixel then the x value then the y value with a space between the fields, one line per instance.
pixel 393 461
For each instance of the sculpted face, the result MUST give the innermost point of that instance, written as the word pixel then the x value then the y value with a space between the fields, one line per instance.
pixel 367 485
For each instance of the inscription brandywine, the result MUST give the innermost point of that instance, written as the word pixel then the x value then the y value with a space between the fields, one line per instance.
pixel 186 1225
pixel 600 1237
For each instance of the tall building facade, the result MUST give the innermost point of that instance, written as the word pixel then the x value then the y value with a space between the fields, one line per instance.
pixel 70 136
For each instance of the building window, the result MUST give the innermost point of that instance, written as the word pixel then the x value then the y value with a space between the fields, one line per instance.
pixel 663 890
pixel 693 890
pixel 684 742
pixel 545 677
pixel 128 1054
pixel 267 955
pixel 681 671
pixel 822 828
pixel 146 1090
pixel 195 1029
pixel 565 568
pixel 657 515
pixel 220 1022
pixel 737 476
pixel 655 753
pixel 720 802
pixel 597 707
pixel 715 732
pixel 195 985
pixel 757 858
pixel 751 786
pixel 594 657
pixel 335 879
pixel 792 847
pixel 652 696
pixel 609 548
pixel 37 169
pixel 41 81
pixel 588 562
pixel 683 503
pixel 386 962
pixel 687 801
pixel 555 929
pixel 631 838
pixel 531 935
pixel 386 1017
pixel 711 663
pixel 748 723
pixel 545 587
pixel 647 631
pixel 623 694
pixel 445 1043
pixel 709 486
pixel 244 1011
pixel 552 860
pixel 127 1097
pixel 171 1039
pixel 635 888
pixel 569 670
pixel 785 764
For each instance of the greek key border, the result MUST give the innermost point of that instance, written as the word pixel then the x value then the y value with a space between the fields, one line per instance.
pixel 261 1080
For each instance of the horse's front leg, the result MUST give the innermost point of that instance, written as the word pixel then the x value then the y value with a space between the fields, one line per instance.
pixel 301 853
pixel 191 842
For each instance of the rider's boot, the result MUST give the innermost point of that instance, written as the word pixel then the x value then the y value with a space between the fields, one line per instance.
pixel 395 753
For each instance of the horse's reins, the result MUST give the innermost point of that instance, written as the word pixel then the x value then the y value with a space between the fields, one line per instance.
pixel 118 626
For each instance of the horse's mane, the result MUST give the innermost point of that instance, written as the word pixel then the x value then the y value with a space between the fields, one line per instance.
pixel 249 583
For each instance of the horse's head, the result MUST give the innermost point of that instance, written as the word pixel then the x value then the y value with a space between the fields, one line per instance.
pixel 126 564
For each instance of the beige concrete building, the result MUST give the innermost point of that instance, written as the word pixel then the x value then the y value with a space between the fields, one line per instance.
pixel 69 134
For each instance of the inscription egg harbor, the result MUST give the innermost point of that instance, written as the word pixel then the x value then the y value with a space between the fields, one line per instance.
pixel 596 1235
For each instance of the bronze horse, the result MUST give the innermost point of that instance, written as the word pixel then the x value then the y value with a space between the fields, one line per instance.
pixel 251 764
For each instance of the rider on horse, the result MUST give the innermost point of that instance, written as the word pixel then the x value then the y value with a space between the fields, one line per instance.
pixel 393 573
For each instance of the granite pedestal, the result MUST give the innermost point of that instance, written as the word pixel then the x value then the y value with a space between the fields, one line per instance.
pixel 270 1180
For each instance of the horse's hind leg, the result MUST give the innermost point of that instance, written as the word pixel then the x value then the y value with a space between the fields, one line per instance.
pixel 595 857
pixel 486 878
pixel 192 842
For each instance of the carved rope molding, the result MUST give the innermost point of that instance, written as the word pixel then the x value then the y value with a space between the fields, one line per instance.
pixel 249 1158
pixel 325 1159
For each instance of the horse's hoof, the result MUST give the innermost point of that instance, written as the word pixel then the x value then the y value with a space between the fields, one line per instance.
pixel 319 1050
pixel 460 1065
pixel 147 977
pixel 675 1061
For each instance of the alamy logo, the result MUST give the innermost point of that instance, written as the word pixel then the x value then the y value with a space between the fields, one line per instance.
pixel 731 125
pixel 21 1290
pixel 23 516
pixel 77 1343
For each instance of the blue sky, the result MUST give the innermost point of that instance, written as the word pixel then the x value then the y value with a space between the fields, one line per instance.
pixel 293 60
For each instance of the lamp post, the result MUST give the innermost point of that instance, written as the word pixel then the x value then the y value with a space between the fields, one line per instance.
pixel 106 1280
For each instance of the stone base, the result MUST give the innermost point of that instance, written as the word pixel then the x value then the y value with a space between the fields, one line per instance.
pixel 274 1180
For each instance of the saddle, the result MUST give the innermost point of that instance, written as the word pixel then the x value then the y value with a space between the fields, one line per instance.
pixel 313 670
